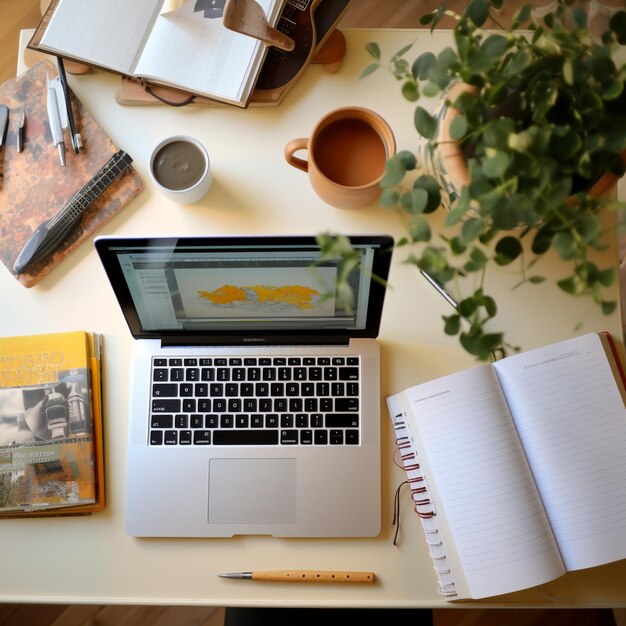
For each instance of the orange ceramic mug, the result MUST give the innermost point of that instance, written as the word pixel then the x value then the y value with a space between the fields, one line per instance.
pixel 347 151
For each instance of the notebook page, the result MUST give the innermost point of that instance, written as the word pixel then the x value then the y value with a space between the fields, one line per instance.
pixel 572 423
pixel 480 483
pixel 108 33
pixel 199 54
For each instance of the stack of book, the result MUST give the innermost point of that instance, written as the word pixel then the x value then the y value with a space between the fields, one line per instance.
pixel 51 444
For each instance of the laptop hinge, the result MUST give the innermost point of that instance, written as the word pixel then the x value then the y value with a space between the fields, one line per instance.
pixel 252 341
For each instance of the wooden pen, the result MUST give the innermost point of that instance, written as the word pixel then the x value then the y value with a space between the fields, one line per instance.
pixel 303 576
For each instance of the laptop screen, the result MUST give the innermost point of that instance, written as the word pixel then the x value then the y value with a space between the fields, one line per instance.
pixel 232 287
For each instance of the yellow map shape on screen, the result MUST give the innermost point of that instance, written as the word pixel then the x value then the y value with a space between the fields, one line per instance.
pixel 293 295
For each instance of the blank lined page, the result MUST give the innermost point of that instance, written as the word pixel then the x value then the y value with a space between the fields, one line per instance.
pixel 481 483
pixel 572 423
pixel 109 33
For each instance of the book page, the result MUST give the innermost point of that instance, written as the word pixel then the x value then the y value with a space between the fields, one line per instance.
pixel 572 423
pixel 198 54
pixel 108 33
pixel 480 483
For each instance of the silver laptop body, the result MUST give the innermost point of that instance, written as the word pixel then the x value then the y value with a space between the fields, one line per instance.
pixel 209 312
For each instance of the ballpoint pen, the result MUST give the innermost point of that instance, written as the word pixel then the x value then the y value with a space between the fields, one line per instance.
pixel 4 122
pixel 303 576
pixel 54 117
pixel 74 136
pixel 21 120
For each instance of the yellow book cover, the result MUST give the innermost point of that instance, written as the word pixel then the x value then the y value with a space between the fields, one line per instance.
pixel 50 423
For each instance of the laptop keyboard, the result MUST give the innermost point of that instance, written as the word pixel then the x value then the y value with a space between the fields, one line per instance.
pixel 242 401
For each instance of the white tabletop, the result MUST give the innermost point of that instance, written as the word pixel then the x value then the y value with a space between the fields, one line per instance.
pixel 91 559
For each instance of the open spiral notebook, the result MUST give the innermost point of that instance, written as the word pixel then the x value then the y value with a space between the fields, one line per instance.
pixel 516 468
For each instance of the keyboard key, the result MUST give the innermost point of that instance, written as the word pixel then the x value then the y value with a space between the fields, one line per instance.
pixel 336 437
pixel 348 373
pixel 288 437
pixel 192 374
pixel 245 437
pixel 181 421
pixel 352 360
pixel 186 390
pixel 306 437
pixel 166 406
pixel 177 374
pixel 242 421
pixel 162 421
pixel 156 437
pixel 205 362
pixel 170 438
pixel 175 362
pixel 184 437
pixel 165 390
pixel 286 420
pixel 189 406
pixel 346 404
pixel 190 362
pixel 160 375
pixel 256 420
pixel 211 421
pixel 320 437
pixel 159 362
pixel 227 421
pixel 342 420
pixel 352 437
pixel 196 421
pixel 338 360
pixel 202 437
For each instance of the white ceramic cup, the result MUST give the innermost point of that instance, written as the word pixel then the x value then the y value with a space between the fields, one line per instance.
pixel 181 169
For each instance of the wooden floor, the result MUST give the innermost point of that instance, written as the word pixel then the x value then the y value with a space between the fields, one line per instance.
pixel 18 14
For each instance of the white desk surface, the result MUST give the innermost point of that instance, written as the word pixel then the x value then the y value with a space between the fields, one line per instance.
pixel 92 560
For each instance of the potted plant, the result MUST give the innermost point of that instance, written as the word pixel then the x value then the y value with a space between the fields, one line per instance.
pixel 529 135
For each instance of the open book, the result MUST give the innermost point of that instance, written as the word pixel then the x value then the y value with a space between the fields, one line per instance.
pixel 518 468
pixel 165 42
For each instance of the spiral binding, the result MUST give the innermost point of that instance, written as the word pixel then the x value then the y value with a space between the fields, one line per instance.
pixel 423 506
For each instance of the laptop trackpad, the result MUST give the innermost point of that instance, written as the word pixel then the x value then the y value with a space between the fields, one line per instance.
pixel 252 491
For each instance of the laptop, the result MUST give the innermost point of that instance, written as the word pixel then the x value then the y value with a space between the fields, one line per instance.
pixel 254 398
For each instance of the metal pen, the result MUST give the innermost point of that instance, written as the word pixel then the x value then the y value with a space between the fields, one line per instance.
pixel 74 136
pixel 21 121
pixel 439 287
pixel 54 118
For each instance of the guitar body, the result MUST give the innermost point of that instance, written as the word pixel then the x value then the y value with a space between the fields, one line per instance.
pixel 280 67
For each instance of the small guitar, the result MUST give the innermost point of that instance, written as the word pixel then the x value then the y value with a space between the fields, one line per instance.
pixel 296 21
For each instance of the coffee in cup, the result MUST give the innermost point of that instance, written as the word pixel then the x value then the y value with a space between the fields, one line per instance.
pixel 347 152
pixel 180 168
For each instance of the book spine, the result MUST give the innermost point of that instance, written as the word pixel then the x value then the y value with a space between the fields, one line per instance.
pixel 420 496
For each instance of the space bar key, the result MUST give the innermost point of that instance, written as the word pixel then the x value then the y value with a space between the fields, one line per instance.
pixel 245 437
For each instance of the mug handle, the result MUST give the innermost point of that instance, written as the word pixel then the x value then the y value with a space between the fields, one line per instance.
pixel 293 146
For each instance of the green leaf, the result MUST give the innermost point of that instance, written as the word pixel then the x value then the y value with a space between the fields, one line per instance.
pixel 422 65
pixel 370 69
pixel 471 229
pixel 419 229
pixel 495 45
pixel 419 200
pixel 495 166
pixel 606 277
pixel 373 49
pixel 401 52
pixel 410 90
pixel 467 306
pixel 395 169
pixel 389 197
pixel 477 11
pixel 425 123
pixel 452 324
pixel 536 280
pixel 568 285
pixel 508 249
pixel 458 127
pixel 518 63
pixel 608 307
pixel 408 158
pixel 588 227
pixel 431 186
pixel 565 244
pixel 617 23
